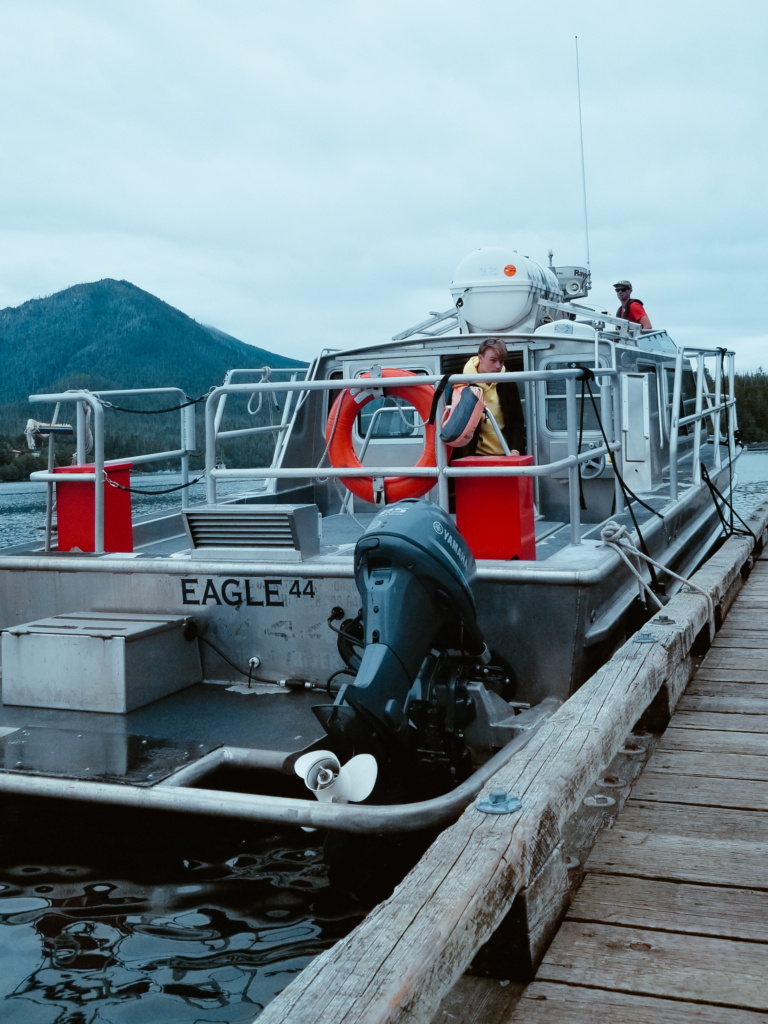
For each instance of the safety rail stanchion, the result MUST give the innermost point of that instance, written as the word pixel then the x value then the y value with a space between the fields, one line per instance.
pixel 674 426
pixel 698 420
pixel 732 420
pixel 188 445
pixel 211 407
pixel 616 456
pixel 81 429
pixel 573 452
pixel 716 418
pixel 98 469
pixel 49 483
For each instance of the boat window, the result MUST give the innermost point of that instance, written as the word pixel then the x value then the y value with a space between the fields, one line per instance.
pixel 392 417
pixel 397 418
pixel 555 399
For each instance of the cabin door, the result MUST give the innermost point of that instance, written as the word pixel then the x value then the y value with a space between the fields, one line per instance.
pixel 636 430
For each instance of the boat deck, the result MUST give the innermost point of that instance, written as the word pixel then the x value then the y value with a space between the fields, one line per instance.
pixel 146 745
pixel 669 923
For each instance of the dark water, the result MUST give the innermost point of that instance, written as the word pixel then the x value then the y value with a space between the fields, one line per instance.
pixel 22 504
pixel 108 917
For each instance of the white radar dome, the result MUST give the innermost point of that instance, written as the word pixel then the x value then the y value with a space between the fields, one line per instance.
pixel 497 289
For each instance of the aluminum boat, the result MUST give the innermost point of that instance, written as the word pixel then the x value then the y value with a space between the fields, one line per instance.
pixel 361 636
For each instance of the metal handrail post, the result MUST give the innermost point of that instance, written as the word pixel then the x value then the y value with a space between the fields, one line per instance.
pixel 674 424
pixel 81 427
pixel 616 435
pixel 187 445
pixel 697 424
pixel 573 450
pixel 49 483
pixel 100 482
pixel 291 401
pixel 732 420
pixel 718 412
pixel 211 406
pixel 441 461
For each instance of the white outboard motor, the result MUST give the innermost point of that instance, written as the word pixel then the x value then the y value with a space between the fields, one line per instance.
pixel 497 289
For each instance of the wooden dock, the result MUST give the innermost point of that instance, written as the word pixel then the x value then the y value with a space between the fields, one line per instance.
pixel 506 880
pixel 671 921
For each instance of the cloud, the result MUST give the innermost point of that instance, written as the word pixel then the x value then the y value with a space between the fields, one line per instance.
pixel 307 174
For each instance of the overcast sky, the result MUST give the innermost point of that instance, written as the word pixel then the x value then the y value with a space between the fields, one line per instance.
pixel 309 173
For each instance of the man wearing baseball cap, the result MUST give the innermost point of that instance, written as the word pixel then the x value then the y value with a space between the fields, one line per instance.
pixel 631 309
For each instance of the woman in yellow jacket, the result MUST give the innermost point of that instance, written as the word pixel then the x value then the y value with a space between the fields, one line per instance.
pixel 502 401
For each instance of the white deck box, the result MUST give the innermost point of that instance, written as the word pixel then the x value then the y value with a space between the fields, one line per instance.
pixel 98 661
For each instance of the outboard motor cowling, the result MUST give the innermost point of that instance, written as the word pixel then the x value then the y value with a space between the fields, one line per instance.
pixel 413 570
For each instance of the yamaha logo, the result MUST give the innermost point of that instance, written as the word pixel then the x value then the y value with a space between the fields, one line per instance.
pixel 437 527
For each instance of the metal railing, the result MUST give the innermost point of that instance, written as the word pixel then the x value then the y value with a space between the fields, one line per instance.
pixel 710 403
pixel 94 402
pixel 441 471
pixel 724 366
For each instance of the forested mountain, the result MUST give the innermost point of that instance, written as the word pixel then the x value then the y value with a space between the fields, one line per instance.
pixel 109 335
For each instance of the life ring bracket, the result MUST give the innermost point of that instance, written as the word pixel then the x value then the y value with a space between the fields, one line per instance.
pixel 341 450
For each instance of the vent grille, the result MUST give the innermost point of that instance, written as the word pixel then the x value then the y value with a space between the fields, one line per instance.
pixel 270 532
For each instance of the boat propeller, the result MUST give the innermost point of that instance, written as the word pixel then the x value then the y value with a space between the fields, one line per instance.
pixel 333 782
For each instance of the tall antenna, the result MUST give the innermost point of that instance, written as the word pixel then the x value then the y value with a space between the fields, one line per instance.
pixel 581 140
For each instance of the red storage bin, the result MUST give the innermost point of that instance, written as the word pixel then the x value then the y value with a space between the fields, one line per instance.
pixel 495 514
pixel 75 512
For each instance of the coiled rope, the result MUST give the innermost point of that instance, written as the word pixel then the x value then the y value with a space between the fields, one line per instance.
pixel 615 537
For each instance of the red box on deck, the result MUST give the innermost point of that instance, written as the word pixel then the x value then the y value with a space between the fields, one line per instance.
pixel 75 512
pixel 495 514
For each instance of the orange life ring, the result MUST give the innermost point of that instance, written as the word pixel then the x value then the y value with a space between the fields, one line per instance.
pixel 338 436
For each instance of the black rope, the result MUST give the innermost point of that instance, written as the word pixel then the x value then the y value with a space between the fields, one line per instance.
pixel 729 529
pixel 168 490
pixel 155 412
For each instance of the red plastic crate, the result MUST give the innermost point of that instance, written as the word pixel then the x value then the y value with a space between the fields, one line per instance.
pixel 495 514
pixel 75 512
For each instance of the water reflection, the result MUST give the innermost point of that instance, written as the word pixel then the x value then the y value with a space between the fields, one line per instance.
pixel 22 504
pixel 154 934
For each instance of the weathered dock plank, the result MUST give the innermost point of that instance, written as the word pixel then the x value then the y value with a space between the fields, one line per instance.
pixel 702 686
pixel 716 721
pixel 733 639
pixel 751 676
pixel 704 790
pixel 687 844
pixel 726 972
pixel 731 742
pixel 739 657
pixel 727 704
pixel 710 764
pixel 547 1003
pixel 722 911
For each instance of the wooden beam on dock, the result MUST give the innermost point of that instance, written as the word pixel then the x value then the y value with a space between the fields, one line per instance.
pixel 400 962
